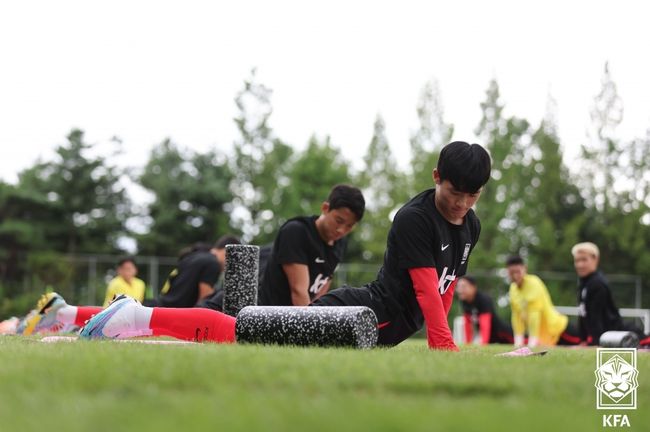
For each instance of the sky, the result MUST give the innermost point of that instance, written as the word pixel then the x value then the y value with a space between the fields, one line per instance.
pixel 147 70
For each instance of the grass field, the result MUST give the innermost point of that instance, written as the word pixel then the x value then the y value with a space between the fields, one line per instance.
pixel 108 386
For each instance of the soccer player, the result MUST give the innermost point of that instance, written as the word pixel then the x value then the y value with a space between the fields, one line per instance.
pixel 198 270
pixel 532 308
pixel 125 282
pixel 478 312
pixel 307 250
pixel 597 312
pixel 428 247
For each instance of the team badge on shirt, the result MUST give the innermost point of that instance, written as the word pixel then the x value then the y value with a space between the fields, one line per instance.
pixel 468 246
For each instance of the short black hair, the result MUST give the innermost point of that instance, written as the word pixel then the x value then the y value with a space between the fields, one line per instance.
pixel 469 279
pixel 226 240
pixel 514 260
pixel 346 196
pixel 466 166
pixel 126 259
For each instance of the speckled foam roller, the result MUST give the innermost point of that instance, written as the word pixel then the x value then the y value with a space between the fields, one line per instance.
pixel 241 278
pixel 328 326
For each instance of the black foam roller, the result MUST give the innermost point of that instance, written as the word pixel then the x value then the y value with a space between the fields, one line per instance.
pixel 619 339
pixel 241 278
pixel 327 326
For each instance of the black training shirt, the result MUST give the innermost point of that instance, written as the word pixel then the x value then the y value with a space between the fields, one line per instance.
pixel 298 242
pixel 596 308
pixel 182 286
pixel 421 237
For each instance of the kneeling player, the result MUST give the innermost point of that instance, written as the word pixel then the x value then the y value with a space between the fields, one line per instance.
pixel 478 311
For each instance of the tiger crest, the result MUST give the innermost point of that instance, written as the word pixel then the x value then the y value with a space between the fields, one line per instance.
pixel 616 378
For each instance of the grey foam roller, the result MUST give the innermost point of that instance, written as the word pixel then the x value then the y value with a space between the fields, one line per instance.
pixel 340 326
pixel 619 339
pixel 241 278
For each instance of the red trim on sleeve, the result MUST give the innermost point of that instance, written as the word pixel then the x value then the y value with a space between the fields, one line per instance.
pixel 425 284
pixel 485 327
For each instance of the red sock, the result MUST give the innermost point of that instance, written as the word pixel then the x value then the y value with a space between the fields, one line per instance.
pixel 84 313
pixel 194 324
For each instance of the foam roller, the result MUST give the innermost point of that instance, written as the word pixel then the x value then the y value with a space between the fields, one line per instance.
pixel 241 278
pixel 619 339
pixel 326 326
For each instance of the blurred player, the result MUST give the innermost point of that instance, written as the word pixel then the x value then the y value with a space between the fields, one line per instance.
pixel 533 311
pixel 125 282
pixel 479 313
pixel 194 278
pixel 596 308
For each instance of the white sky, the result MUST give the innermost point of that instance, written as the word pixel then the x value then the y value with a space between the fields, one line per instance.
pixel 145 70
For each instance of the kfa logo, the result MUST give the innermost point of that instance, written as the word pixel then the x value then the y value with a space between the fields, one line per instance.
pixel 446 280
pixel 616 383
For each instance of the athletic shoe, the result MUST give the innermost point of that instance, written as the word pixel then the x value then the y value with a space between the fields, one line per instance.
pixel 116 321
pixel 44 321
pixel 22 325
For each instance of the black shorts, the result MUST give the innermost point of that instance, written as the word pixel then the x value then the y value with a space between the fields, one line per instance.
pixel 393 328
pixel 214 302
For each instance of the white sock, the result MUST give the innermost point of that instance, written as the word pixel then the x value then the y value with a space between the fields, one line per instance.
pixel 533 342
pixel 519 340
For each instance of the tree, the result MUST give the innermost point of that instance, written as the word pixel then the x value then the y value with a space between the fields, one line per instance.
pixel 23 218
pixel 89 205
pixel 432 134
pixel 191 192
pixel 311 177
pixel 553 210
pixel 260 165
pixel 601 157
pixel 384 190
pixel 501 202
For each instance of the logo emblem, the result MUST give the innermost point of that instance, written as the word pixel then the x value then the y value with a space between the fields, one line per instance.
pixel 443 247
pixel 319 261
pixel 468 246
pixel 616 378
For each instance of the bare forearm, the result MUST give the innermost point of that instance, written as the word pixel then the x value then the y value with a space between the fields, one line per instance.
pixel 299 298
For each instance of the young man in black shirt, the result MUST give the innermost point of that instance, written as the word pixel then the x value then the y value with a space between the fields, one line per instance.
pixel 308 249
pixel 479 313
pixel 596 308
pixel 194 278
pixel 428 248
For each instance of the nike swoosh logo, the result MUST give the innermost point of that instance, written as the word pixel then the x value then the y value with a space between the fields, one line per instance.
pixel 319 261
pixel 442 248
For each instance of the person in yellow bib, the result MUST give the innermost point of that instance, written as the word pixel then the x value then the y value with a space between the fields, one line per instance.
pixel 532 309
pixel 125 282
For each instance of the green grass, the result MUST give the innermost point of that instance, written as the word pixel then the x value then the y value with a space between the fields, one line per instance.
pixel 108 386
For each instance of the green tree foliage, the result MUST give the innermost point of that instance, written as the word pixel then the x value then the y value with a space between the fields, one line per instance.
pixel 553 209
pixel 502 198
pixel 310 178
pixel 384 188
pixel 260 163
pixel 88 205
pixel 191 192
pixel 432 134
pixel 23 219
pixel 614 179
